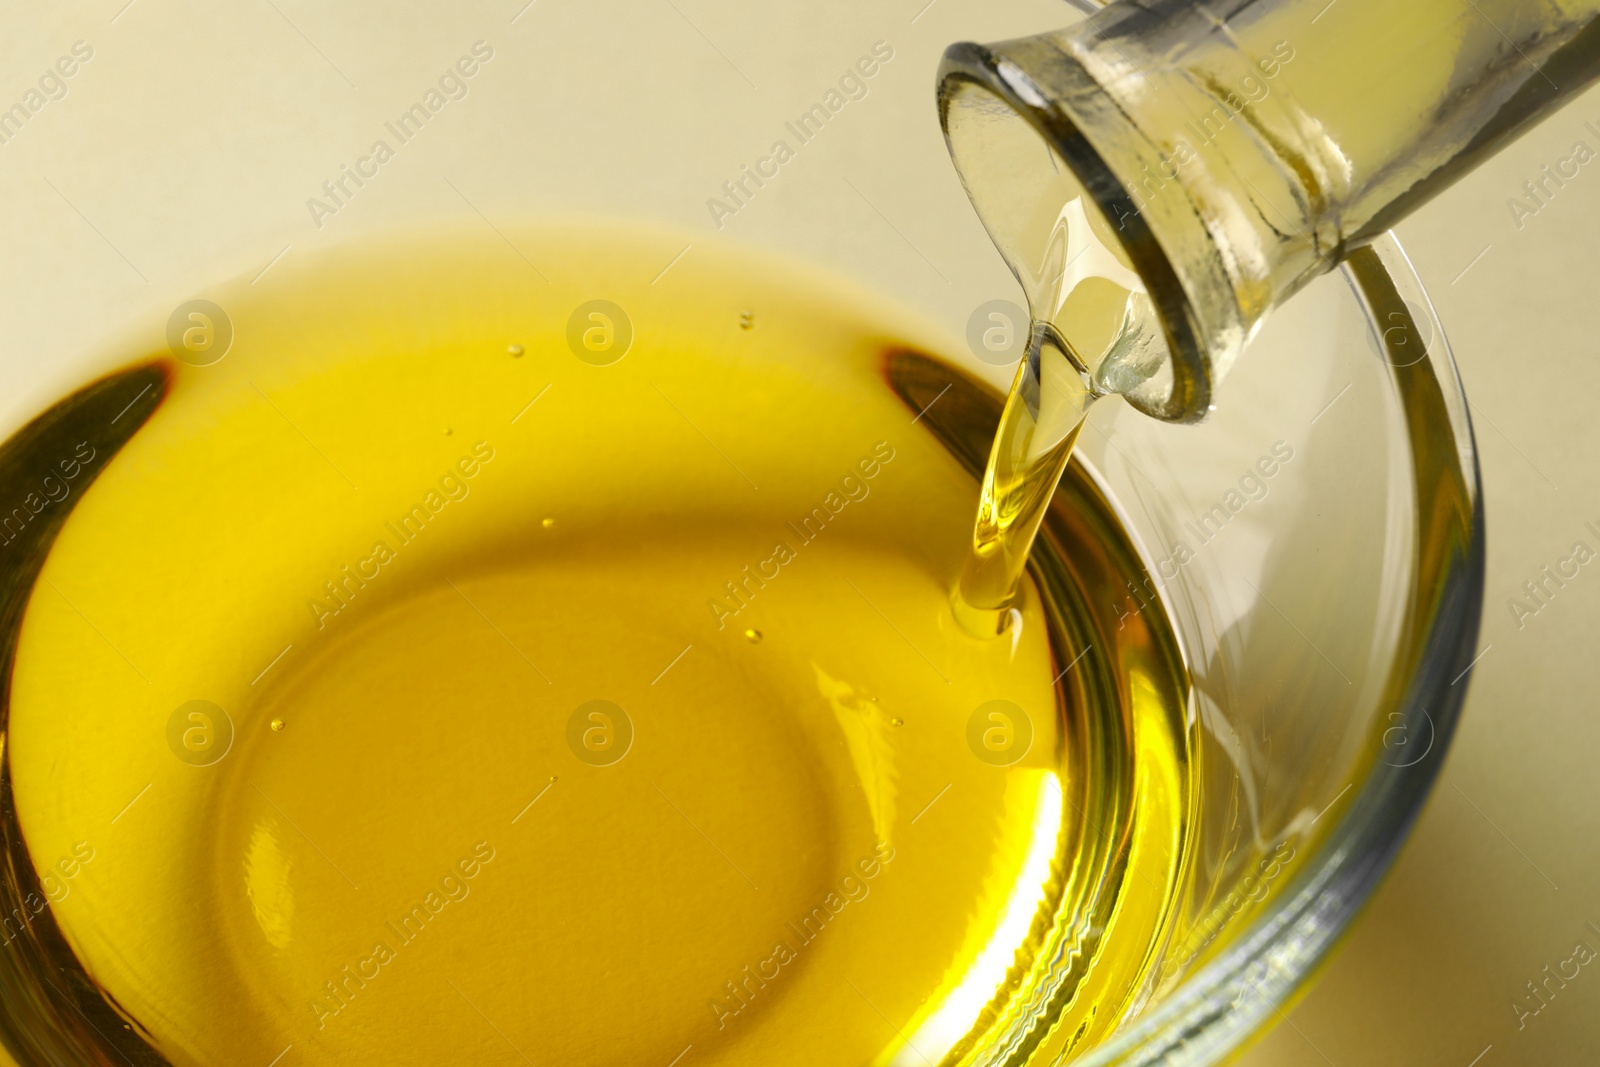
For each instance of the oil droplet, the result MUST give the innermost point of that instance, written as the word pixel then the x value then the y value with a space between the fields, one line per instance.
pixel 448 431
pixel 277 725
pixel 547 523
pixel 897 722
pixel 747 320
pixel 515 351
pixel 753 636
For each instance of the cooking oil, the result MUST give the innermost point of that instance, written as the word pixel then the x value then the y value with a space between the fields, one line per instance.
pixel 481 664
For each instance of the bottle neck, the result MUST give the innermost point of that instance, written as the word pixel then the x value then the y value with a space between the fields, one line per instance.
pixel 1238 150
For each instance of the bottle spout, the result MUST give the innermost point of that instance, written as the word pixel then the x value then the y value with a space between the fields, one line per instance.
pixel 1089 269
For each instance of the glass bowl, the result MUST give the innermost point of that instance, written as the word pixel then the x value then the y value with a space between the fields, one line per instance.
pixel 1317 545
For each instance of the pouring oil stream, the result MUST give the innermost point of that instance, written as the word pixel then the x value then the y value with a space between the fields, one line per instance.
pixel 1092 332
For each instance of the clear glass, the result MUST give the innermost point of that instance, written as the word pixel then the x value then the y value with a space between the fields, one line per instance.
pixel 1327 612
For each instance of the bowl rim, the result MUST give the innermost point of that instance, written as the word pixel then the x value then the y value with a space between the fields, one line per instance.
pixel 1211 1013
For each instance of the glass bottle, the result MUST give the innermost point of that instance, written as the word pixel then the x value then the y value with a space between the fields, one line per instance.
pixel 1226 152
